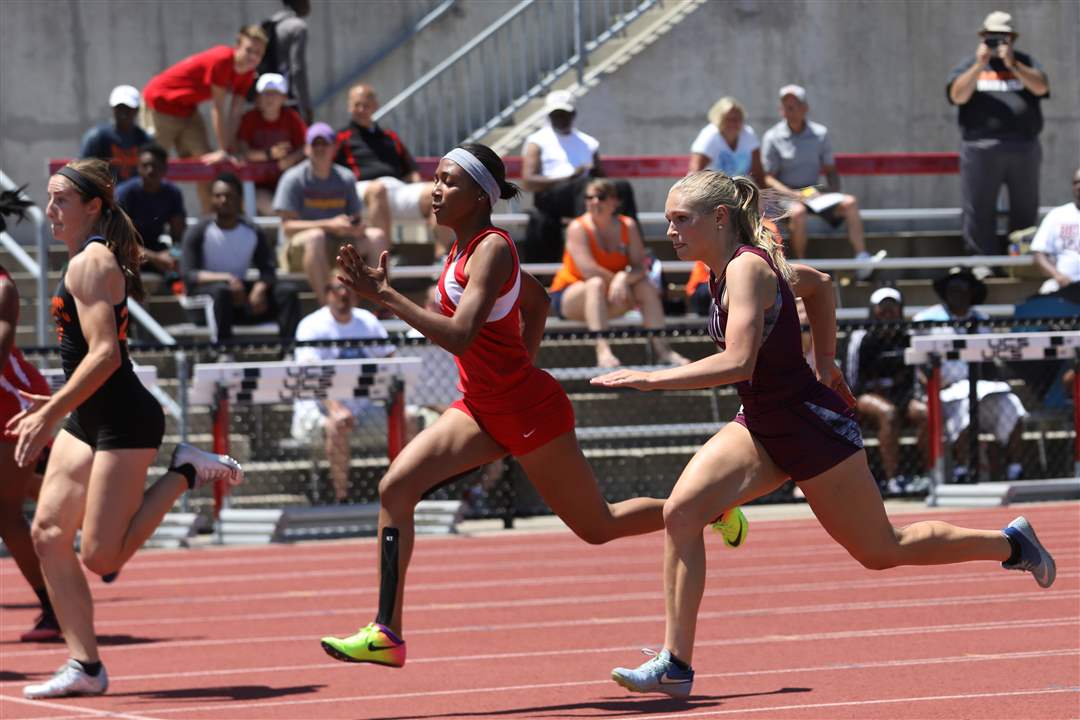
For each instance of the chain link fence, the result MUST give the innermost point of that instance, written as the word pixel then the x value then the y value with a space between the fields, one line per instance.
pixel 637 443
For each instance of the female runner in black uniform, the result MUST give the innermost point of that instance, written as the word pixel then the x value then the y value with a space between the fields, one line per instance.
pixel 97 468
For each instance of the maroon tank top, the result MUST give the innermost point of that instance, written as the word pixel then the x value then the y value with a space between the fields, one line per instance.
pixel 780 372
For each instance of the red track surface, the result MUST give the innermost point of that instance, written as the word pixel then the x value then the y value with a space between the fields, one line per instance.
pixel 518 625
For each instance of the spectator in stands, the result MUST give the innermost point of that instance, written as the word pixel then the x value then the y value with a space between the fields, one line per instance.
pixel 1057 246
pixel 796 152
pixel 727 143
pixel 154 204
pixel 271 132
pixel 1000 410
pixel 319 210
pixel 222 75
pixel 999 92
pixel 558 160
pixel 337 319
pixel 389 181
pixel 604 274
pixel 216 256
pixel 286 52
pixel 884 386
pixel 117 142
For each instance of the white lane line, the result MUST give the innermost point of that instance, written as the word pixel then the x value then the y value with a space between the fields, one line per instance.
pixel 995 625
pixel 89 712
pixel 608 682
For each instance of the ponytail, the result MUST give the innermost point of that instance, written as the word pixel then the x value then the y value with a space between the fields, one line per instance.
pixel 113 225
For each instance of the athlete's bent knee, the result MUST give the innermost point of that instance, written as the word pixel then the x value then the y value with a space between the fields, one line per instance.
pixel 395 495
pixel 680 520
pixel 594 535
pixel 49 539
pixel 876 558
pixel 99 561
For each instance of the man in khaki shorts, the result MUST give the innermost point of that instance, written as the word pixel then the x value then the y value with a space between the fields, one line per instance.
pixel 320 210
pixel 222 74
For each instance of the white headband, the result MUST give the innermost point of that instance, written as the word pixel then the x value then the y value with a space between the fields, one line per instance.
pixel 477 172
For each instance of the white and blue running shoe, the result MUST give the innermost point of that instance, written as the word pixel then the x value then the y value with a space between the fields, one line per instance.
pixel 1034 558
pixel 658 674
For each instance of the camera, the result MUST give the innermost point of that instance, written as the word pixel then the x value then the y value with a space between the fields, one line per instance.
pixel 995 39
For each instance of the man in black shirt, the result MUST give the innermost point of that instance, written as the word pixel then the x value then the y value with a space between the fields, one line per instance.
pixel 998 92
pixel 389 182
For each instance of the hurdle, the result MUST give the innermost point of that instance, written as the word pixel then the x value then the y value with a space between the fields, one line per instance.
pixel 225 385
pixel 931 350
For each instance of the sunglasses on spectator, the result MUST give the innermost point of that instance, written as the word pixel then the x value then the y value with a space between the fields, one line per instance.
pixel 598 196
pixel 336 287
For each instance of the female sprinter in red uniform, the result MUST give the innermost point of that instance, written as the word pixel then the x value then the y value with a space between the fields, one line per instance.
pixel 97 469
pixel 793 424
pixel 508 404
pixel 18 483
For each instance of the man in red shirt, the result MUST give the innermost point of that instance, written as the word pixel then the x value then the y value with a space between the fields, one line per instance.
pixel 271 132
pixel 171 99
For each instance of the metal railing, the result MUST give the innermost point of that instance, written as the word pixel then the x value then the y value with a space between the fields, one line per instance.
pixel 40 268
pixel 517 58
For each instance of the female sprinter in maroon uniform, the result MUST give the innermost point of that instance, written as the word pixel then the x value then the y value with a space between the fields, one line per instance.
pixel 18 483
pixel 793 424
pixel 508 404
pixel 97 469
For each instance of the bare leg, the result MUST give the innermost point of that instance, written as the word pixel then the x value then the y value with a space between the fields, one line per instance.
pixel 372 246
pixel 563 477
pixel 454 444
pixel 337 453
pixel 13 527
pixel 848 505
pixel 729 470
pixel 647 297
pixel 587 300
pixel 316 266
pixel 849 208
pixel 377 203
pixel 797 225
pixel 884 416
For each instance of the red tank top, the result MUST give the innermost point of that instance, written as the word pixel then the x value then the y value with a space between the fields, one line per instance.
pixel 17 373
pixel 496 364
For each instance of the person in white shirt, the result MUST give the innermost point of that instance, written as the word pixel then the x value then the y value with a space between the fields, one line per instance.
pixel 1000 409
pixel 728 144
pixel 557 161
pixel 338 319
pixel 1057 243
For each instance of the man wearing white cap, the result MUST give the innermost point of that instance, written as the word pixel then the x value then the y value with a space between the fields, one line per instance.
pixel 998 91
pixel 118 142
pixel 271 132
pixel 795 153
pixel 557 162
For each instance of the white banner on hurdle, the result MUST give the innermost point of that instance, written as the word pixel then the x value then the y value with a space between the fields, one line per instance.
pixel 993 346
pixel 283 381
pixel 147 374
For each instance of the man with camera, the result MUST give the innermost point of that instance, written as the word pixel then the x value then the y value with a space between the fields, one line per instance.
pixel 998 92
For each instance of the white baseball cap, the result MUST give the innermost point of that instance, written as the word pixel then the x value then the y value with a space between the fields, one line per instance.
pixel 124 95
pixel 797 90
pixel 558 100
pixel 886 293
pixel 272 82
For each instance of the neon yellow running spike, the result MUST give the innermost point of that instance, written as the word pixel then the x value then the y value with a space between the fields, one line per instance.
pixel 733 526
pixel 372 644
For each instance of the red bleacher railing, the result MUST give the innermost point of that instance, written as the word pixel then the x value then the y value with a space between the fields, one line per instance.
pixel 620 166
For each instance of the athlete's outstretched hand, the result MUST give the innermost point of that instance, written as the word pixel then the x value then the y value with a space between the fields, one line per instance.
pixel 32 428
pixel 365 280
pixel 833 378
pixel 637 379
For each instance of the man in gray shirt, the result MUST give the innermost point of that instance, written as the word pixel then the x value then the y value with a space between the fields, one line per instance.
pixel 319 209
pixel 795 153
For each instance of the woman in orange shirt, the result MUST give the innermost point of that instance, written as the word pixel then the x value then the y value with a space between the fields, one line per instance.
pixel 603 274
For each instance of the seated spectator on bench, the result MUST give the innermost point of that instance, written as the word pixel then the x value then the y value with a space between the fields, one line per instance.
pixel 334 420
pixel 884 387
pixel 271 132
pixel 389 181
pixel 1000 410
pixel 154 204
pixel 1057 246
pixel 558 160
pixel 216 256
pixel 795 153
pixel 604 274
pixel 728 144
pixel 117 142
pixel 222 75
pixel 320 210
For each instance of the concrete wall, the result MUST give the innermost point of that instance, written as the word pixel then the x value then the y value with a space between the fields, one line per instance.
pixel 875 72
pixel 875 75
